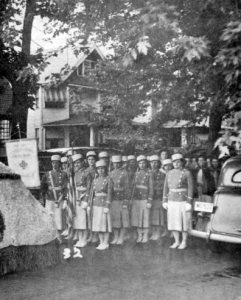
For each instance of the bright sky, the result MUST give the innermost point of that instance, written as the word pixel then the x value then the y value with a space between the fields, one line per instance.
pixel 38 37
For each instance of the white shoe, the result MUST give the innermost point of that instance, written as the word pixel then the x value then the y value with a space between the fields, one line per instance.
pixel 182 246
pixel 65 232
pixel 114 242
pixel 174 246
pixel 120 242
pixel 103 247
pixel 144 240
pixel 76 236
pixel 78 244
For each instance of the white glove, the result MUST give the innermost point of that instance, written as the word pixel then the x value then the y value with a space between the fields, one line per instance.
pixel 188 207
pixel 106 210
pixel 165 205
pixel 148 205
pixel 125 206
pixel 84 204
pixel 65 204
pixel 88 208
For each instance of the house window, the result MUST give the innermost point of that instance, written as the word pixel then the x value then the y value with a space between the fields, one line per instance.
pixel 87 68
pixel 37 136
pixel 54 138
pixel 55 98
pixel 4 130
pixel 37 100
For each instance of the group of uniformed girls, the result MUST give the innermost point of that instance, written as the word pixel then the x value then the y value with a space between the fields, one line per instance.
pixel 129 194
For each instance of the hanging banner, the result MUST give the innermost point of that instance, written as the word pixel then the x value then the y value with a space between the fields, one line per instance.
pixel 23 159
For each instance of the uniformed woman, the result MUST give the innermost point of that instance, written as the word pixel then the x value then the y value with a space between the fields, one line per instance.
pixel 142 200
pixel 102 197
pixel 82 181
pixel 91 159
pixel 166 166
pixel 177 199
pixel 119 207
pixel 54 189
pixel 158 178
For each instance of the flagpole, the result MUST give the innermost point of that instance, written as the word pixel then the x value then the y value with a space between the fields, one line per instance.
pixel 71 204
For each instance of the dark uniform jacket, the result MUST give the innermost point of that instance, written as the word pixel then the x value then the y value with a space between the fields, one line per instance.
pixel 83 181
pixel 159 179
pixel 102 191
pixel 60 182
pixel 143 185
pixel 92 172
pixel 178 186
pixel 121 183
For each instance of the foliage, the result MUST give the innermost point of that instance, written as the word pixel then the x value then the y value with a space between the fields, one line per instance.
pixel 181 55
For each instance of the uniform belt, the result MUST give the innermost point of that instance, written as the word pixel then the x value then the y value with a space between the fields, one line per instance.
pixel 100 194
pixel 178 190
pixel 142 187
pixel 117 189
pixel 57 188
pixel 157 188
pixel 81 188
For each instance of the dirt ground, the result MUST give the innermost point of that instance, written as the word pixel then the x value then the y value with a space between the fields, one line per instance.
pixel 135 272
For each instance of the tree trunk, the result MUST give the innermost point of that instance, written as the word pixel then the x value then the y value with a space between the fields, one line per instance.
pixel 215 122
pixel 20 88
pixel 27 26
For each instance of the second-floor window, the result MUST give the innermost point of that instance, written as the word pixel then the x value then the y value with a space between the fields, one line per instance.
pixel 88 68
pixel 55 98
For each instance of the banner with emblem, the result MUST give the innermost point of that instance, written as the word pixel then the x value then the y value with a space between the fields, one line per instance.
pixel 23 159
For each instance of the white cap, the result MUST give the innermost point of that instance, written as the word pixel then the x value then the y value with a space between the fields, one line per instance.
pixel 100 163
pixel 56 157
pixel 177 156
pixel 103 154
pixel 130 157
pixel 124 158
pixel 70 152
pixel 77 157
pixel 141 157
pixel 64 159
pixel 91 153
pixel 167 161
pixel 116 158
pixel 154 158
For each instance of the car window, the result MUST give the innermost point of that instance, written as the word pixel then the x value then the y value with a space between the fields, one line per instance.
pixel 237 177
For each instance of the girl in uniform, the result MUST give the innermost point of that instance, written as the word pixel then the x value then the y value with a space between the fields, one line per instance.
pixel 158 178
pixel 82 180
pixel 142 200
pixel 102 197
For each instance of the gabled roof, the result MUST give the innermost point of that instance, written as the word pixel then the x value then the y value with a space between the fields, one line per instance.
pixel 66 57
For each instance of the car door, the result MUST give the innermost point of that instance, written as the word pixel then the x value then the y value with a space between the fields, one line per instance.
pixel 227 216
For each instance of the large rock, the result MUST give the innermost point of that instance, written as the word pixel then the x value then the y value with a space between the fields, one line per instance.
pixel 26 220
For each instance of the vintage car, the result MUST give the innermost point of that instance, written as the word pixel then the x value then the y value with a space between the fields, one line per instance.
pixel 221 220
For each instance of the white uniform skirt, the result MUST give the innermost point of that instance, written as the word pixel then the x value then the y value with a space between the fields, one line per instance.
pixel 56 212
pixel 178 219
pixel 119 215
pixel 140 215
pixel 80 221
pixel 101 221
pixel 155 217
